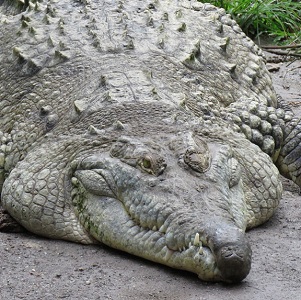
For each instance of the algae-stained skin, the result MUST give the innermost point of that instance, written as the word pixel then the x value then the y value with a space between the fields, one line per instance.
pixel 150 127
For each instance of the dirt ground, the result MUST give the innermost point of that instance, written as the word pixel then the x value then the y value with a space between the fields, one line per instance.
pixel 35 268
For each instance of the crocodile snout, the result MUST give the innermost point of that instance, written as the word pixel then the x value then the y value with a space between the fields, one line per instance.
pixel 234 262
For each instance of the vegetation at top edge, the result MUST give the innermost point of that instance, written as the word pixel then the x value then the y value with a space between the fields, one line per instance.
pixel 280 20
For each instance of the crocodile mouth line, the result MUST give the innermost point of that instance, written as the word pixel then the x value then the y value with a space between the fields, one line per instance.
pixel 195 244
pixel 196 247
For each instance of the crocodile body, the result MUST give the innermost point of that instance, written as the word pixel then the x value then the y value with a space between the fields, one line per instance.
pixel 152 127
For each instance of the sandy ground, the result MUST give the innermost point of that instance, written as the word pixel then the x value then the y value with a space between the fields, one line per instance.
pixel 35 268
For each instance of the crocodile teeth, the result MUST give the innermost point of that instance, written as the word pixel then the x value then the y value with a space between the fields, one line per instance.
pixel 162 229
pixel 154 228
pixel 74 181
pixel 201 250
pixel 168 254
pixel 196 241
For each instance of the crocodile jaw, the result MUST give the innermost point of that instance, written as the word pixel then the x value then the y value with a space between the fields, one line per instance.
pixel 107 221
pixel 129 219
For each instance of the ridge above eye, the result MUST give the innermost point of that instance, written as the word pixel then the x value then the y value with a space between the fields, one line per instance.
pixel 196 159
pixel 192 151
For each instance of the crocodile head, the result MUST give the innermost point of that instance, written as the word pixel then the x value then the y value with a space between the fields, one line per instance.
pixel 184 201
pixel 180 204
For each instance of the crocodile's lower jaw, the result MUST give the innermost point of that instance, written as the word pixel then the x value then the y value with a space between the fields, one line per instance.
pixel 98 215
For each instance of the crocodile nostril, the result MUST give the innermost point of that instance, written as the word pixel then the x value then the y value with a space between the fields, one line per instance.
pixel 234 262
pixel 229 251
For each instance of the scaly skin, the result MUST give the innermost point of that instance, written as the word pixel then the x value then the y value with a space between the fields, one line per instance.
pixel 149 127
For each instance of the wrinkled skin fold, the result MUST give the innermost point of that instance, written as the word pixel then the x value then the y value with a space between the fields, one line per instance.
pixel 150 127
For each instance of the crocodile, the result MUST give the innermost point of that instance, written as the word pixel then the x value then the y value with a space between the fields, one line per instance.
pixel 148 126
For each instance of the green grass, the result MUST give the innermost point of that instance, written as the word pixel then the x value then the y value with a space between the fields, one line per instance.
pixel 280 20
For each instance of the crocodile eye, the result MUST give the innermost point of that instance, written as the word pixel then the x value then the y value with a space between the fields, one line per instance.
pixel 146 163
pixel 154 165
